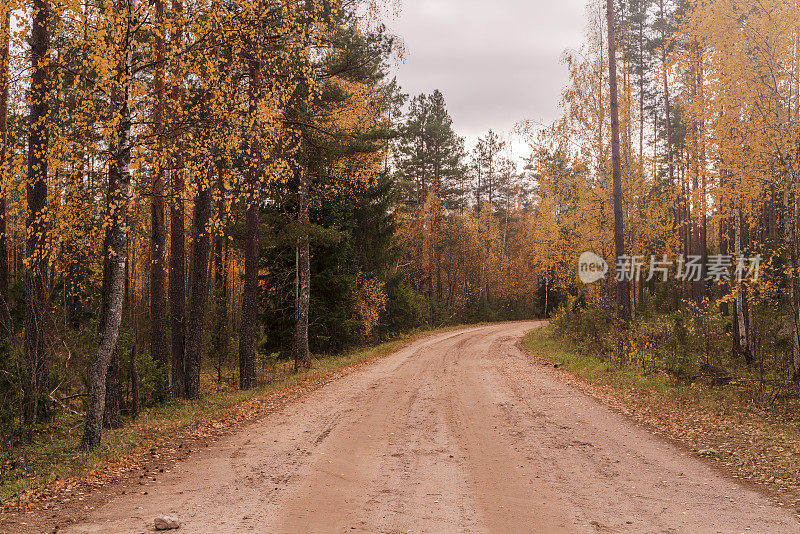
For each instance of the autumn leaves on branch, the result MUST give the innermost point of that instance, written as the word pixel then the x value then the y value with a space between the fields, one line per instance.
pixel 143 117
pixel 699 103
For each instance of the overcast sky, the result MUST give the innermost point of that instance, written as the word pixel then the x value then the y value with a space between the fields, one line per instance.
pixel 496 61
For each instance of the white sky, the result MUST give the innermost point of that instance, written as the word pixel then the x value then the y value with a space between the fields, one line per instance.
pixel 497 62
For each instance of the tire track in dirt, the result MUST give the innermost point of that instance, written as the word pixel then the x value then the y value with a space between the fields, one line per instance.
pixel 457 432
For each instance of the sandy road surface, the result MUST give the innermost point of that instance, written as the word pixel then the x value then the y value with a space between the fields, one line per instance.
pixel 458 432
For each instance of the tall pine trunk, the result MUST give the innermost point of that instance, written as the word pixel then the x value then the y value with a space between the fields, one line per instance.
pixel 220 328
pixel 668 132
pixel 177 281
pixel 199 289
pixel 789 230
pixel 201 247
pixel 247 335
pixel 36 227
pixel 158 274
pixel 698 183
pixel 5 34
pixel 641 75
pixel 134 406
pixel 623 286
pixel 795 208
pixel 177 239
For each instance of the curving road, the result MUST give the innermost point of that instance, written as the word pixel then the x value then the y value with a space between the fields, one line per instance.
pixel 458 432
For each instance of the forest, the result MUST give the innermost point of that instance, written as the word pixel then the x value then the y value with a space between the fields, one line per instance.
pixel 678 145
pixel 200 191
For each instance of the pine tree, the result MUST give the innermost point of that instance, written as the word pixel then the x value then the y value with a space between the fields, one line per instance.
pixel 5 303
pixel 177 238
pixel 159 349
pixel 36 225
pixel 487 162
pixel 623 289
pixel 428 154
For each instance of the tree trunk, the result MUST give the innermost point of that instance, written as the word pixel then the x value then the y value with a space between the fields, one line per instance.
pixel 220 329
pixel 247 335
pixel 505 239
pixel 158 274
pixel 247 342
pixel 199 290
pixel 177 243
pixel 791 279
pixel 724 248
pixel 5 33
pixel 668 131
pixel 699 156
pixel 796 307
pixel 201 246
pixel 134 406
pixel 135 402
pixel 108 336
pixel 546 293
pixel 302 353
pixel 623 286
pixel 742 334
pixel 116 257
pixel 641 75
pixel 36 224
pixel 177 285
pixel 111 412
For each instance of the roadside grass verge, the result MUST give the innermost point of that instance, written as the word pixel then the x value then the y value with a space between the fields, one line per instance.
pixel 761 445
pixel 53 461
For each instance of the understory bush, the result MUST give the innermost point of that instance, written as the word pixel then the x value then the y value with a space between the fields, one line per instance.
pixel 693 344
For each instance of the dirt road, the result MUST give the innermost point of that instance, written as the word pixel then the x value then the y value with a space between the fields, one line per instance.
pixel 458 432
